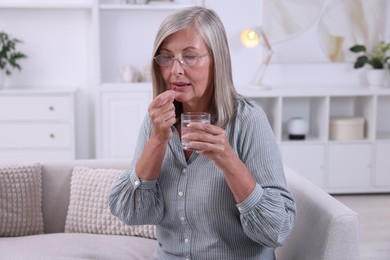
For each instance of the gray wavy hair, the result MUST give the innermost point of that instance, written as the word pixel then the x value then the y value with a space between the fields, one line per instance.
pixel 210 27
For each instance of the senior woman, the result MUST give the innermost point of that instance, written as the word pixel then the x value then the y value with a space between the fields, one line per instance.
pixel 225 196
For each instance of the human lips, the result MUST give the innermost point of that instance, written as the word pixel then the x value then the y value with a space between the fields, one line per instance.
pixel 179 86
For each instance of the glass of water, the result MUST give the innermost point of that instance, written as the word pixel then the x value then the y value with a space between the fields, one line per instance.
pixel 190 117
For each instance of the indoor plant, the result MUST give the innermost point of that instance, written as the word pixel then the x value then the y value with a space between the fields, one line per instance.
pixel 9 56
pixel 378 59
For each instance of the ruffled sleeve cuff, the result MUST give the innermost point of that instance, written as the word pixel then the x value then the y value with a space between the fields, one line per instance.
pixel 252 200
pixel 141 184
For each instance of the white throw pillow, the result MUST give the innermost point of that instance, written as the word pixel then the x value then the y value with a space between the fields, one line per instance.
pixel 88 210
pixel 20 200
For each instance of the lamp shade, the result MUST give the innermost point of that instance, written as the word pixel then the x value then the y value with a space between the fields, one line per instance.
pixel 249 38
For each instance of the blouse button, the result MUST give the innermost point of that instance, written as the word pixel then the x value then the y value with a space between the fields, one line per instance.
pixel 186 240
pixel 136 183
pixel 180 193
pixel 184 170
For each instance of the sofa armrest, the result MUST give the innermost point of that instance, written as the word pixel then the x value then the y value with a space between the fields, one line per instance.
pixel 325 229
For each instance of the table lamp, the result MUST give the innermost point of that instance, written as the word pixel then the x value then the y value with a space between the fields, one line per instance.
pixel 250 38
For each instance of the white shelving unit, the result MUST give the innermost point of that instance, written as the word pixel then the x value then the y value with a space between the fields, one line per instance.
pixel 352 166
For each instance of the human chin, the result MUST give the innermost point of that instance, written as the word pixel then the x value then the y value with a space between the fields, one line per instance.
pixel 181 97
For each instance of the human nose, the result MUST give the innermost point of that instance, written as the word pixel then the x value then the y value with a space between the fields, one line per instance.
pixel 177 66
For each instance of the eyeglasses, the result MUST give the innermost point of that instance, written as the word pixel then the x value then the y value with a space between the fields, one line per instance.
pixel 165 60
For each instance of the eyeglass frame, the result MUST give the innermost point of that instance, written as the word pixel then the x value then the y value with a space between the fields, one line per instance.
pixel 179 59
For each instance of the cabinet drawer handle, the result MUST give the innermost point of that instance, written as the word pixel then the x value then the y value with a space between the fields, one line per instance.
pixel 51 108
pixel 52 136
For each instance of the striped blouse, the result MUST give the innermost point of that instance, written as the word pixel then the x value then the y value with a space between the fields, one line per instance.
pixel 195 213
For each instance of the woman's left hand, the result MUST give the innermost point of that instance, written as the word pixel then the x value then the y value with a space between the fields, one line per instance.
pixel 210 141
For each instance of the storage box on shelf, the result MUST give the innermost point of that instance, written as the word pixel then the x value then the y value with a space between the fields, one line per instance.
pixel 346 128
pixel 37 125
pixel 338 166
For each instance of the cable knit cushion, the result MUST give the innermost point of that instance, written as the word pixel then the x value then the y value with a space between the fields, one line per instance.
pixel 20 200
pixel 88 210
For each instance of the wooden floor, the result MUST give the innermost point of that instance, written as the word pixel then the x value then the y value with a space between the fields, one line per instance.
pixel 374 211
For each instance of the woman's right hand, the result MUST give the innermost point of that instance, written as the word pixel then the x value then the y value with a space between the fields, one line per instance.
pixel 162 114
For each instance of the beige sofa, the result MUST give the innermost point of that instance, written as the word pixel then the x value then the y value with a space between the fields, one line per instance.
pixel 325 228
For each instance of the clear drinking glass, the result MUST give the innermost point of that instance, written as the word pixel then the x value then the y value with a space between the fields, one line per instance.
pixel 190 117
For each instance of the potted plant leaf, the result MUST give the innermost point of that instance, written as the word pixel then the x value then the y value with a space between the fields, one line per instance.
pixel 9 56
pixel 378 59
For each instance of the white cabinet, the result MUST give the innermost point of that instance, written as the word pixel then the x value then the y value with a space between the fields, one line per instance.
pixel 382 147
pixel 37 125
pixel 382 164
pixel 121 113
pixel 382 129
pixel 351 166
pixel 307 160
